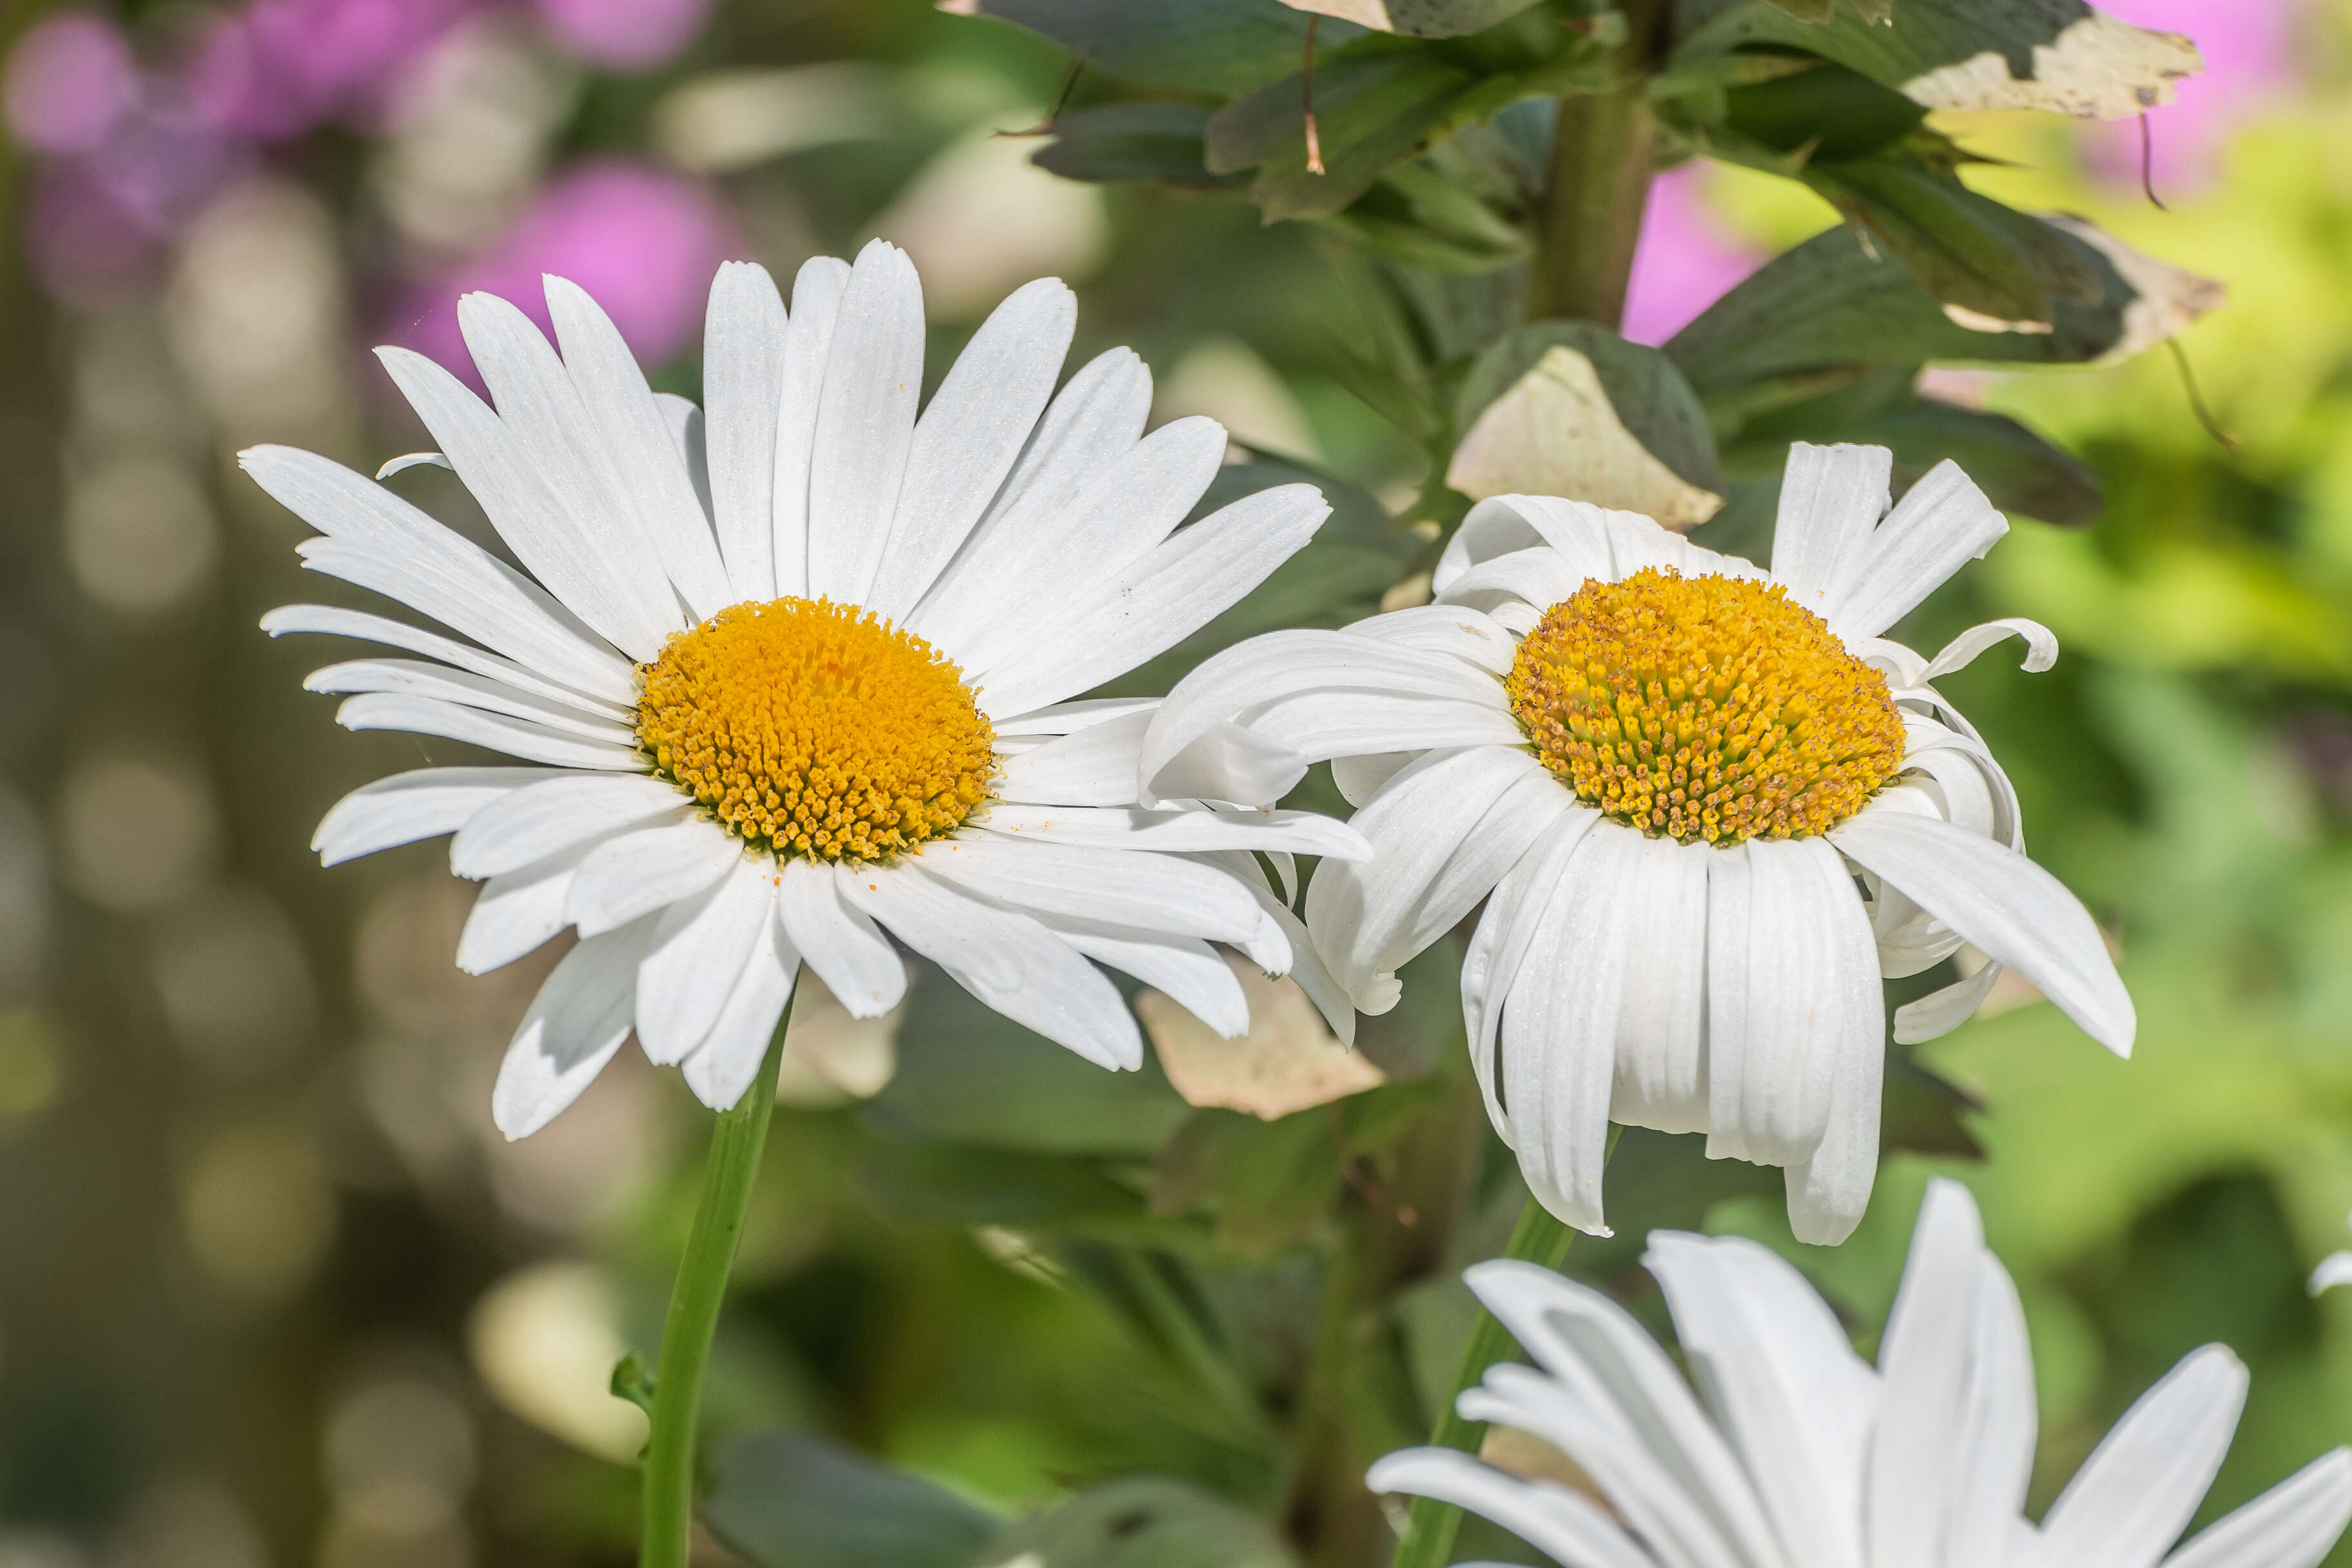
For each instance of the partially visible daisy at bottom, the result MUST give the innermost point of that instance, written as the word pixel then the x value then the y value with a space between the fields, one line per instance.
pixel 792 673
pixel 1796 1453
pixel 1707 807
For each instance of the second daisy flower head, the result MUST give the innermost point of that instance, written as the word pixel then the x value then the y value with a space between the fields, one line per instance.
pixel 1707 806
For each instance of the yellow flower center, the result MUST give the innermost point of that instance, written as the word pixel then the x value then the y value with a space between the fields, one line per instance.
pixel 1704 707
pixel 815 729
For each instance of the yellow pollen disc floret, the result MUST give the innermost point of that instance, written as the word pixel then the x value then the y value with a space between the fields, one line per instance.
pixel 815 729
pixel 1704 708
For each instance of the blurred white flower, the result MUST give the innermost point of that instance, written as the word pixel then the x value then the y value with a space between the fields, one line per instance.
pixel 1797 1452
pixel 795 673
pixel 1706 807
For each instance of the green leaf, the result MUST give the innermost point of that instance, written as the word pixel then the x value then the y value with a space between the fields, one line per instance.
pixel 1972 252
pixel 1200 46
pixel 1833 111
pixel 940 1184
pixel 967 1074
pixel 1806 10
pixel 792 1499
pixel 1418 18
pixel 1373 107
pixel 1416 215
pixel 2058 56
pixel 1140 1522
pixel 1134 142
pixel 1647 389
pixel 1268 1184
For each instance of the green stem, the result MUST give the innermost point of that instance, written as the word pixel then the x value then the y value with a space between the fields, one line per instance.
pixel 727 1179
pixel 1429 1528
pixel 1602 154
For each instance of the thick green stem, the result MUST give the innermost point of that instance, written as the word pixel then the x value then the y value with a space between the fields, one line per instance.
pixel 727 1180
pixel 1602 154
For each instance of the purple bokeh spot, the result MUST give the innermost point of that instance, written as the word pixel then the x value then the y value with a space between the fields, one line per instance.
pixel 71 81
pixel 280 66
pixel 2250 56
pixel 643 243
pixel 624 35
pixel 1684 260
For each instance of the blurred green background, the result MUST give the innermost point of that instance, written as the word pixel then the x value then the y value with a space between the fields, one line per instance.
pixel 273 1291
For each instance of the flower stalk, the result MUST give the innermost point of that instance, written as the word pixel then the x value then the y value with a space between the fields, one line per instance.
pixel 735 1143
pixel 1604 152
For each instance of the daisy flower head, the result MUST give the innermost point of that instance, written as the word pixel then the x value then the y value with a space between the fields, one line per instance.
pixel 791 674
pixel 1796 1453
pixel 1706 805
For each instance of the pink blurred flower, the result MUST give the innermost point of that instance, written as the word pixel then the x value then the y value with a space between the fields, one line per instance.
pixel 643 243
pixel 624 35
pixel 279 68
pixel 70 82
pixel 2249 54
pixel 1682 262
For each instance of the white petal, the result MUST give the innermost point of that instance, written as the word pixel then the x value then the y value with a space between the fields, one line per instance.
pixel 726 1063
pixel 1505 525
pixel 2140 1486
pixel 335 622
pixel 571 1028
pixel 489 693
pixel 864 423
pixel 1124 511
pixel 1069 718
pixel 1184 831
pixel 1238 766
pixel 516 737
pixel 515 912
pixel 1183 968
pixel 1661 1066
pixel 833 937
pixel 1994 1446
pixel 407 460
pixel 645 464
pixel 381 542
pixel 1537 577
pixel 697 953
pixel 689 434
pixel 966 440
pixel 2002 902
pixel 1003 958
pixel 1774 1365
pixel 1829 1191
pixel 1154 893
pixel 1553 1519
pixel 1305 966
pixel 554 813
pixel 743 381
pixel 1938 1013
pixel 1445 628
pixel 1941 523
pixel 642 870
pixel 1923 1364
pixel 1157 601
pixel 808 349
pixel 2041 647
pixel 2333 1270
pixel 1831 499
pixel 422 803
pixel 1444 832
pixel 1359 779
pixel 1499 945
pixel 2290 1526
pixel 1088 427
pixel 1091 767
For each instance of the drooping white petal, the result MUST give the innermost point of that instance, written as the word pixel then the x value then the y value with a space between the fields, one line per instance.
pixel 2292 1525
pixel 1500 944
pixel 1127 827
pixel 808 350
pixel 1005 958
pixel 2041 647
pixel 833 937
pixel 556 812
pixel 2141 1485
pixel 1122 887
pixel 515 736
pixel 864 423
pixel 1120 515
pixel 1555 1520
pixel 338 622
pixel 1359 779
pixel 1829 1190
pixel 1942 522
pixel 696 954
pixel 1304 966
pixel 415 678
pixel 422 803
pixel 379 541
pixel 1831 499
pixel 1661 1065
pixel 1090 424
pixel 1183 968
pixel 575 1023
pixel 642 870
pixel 2003 904
pixel 742 380
pixel 1158 600
pixel 1922 1367
pixel 966 440
pixel 1939 1012
pixel 725 1064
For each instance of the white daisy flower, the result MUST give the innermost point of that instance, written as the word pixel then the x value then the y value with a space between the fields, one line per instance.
pixel 792 673
pixel 1707 806
pixel 1796 1453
